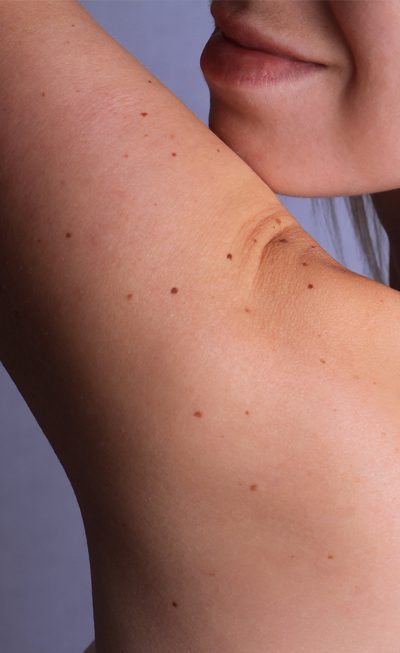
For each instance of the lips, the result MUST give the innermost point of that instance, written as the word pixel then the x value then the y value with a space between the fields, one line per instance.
pixel 247 36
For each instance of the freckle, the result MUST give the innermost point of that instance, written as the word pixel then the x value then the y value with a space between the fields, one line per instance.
pixel 38 240
pixel 67 42
pixel 292 556
pixel 218 150
pixel 146 134
pixel 43 93
pixel 397 450
pixel 313 246
pixel 173 153
pixel 278 220
pixel 374 382
pixel 126 155
pixel 149 80
pixel 211 573
pixel 381 301
pixel 305 264
pixel 73 25
pixel 247 310
pixel 77 90
pixel 129 296
pixel 143 113
pixel 330 556
pixel 282 240
pixel 255 240
pixel 355 376
pixel 198 413
pixel 229 256
pixel 68 234
pixel 322 360
pixel 247 412
pixel 174 290
pixel 310 285
pixel 254 487
pixel 172 135
pixel 174 604
pixel 62 182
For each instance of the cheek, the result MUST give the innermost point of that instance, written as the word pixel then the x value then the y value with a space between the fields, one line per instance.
pixel 371 96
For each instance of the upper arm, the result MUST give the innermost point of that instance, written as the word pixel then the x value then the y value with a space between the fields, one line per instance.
pixel 112 194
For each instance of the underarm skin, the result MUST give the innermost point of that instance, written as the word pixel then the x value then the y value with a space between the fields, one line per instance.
pixel 119 220
pixel 113 195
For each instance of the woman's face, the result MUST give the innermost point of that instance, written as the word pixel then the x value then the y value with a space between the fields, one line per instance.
pixel 335 131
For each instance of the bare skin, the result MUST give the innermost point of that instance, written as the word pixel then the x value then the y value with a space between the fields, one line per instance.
pixel 222 393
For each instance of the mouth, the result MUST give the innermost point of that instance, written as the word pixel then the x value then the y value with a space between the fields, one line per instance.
pixel 228 63
pixel 247 36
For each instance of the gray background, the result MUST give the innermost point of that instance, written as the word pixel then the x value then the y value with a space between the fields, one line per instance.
pixel 45 593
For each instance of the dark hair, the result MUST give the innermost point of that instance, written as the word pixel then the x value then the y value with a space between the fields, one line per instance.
pixel 370 233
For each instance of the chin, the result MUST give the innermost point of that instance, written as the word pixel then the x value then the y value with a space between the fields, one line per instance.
pixel 308 171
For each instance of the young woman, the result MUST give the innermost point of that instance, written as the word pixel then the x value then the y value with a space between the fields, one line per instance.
pixel 221 392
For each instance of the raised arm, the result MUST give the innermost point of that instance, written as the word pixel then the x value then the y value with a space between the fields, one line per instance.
pixel 122 222
pixel 112 193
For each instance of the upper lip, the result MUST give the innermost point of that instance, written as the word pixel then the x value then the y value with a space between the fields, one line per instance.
pixel 248 37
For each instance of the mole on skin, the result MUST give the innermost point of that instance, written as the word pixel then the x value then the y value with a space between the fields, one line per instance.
pixel 322 360
pixel 143 113
pixel 68 234
pixel 310 285
pixel 173 153
pixel 247 412
pixel 129 296
pixel 174 290
pixel 253 487
pixel 229 256
pixel 43 93
pixel 198 413
pixel 174 604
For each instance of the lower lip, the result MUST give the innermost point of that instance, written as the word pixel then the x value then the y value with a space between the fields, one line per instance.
pixel 229 63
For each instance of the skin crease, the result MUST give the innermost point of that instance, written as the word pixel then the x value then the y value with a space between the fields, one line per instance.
pixel 344 123
pixel 346 117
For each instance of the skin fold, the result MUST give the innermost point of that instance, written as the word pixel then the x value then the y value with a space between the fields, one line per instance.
pixel 345 124
pixel 232 446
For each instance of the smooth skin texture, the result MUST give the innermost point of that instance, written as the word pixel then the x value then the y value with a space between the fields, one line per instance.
pixel 344 122
pixel 222 393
